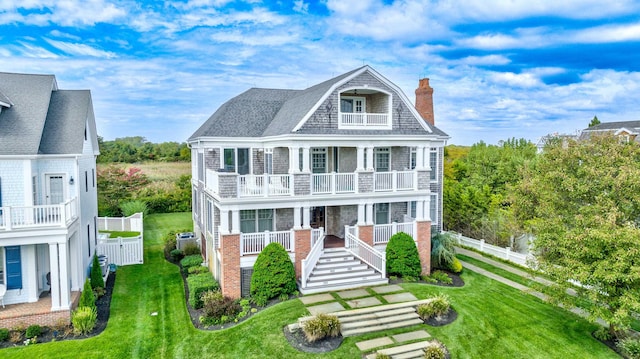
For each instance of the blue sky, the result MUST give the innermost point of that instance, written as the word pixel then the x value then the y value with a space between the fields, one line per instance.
pixel 500 69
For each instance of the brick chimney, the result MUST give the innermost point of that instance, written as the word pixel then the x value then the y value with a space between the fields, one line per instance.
pixel 424 100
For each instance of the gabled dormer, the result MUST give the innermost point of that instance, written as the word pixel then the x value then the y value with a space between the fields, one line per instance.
pixel 365 107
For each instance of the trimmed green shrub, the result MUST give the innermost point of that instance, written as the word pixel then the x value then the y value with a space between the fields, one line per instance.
pixel 4 334
pixel 84 320
pixel 96 274
pixel 602 334
pixel 438 307
pixel 198 284
pixel 33 331
pixel 441 277
pixel 191 249
pixel 190 261
pixel 321 326
pixel 443 250
pixel 631 347
pixel 402 256
pixel 176 255
pixel 217 307
pixel 132 207
pixel 197 270
pixel 87 298
pixel 456 266
pixel 434 351
pixel 273 273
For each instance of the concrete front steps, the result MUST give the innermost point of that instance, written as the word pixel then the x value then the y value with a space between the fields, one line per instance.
pixel 377 318
pixel 407 351
pixel 338 269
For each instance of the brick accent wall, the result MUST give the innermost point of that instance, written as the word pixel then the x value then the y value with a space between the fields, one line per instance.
pixel 424 246
pixel 230 276
pixel 366 234
pixel 303 247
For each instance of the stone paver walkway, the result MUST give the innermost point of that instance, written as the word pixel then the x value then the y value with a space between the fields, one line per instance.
pixel 364 302
pixel 317 298
pixel 325 308
pixel 394 339
pixel 399 297
pixel 387 289
pixel 354 293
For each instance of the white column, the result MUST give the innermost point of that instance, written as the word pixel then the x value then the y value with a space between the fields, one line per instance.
pixel 224 221
pixel 235 221
pixel 221 150
pixel 369 219
pixel 427 159
pixel 361 215
pixel 370 166
pixel 294 159
pixel 420 210
pixel 360 159
pixel 306 217
pixel 297 220
pixel 427 209
pixel 420 157
pixel 64 275
pixel 55 276
pixel 305 159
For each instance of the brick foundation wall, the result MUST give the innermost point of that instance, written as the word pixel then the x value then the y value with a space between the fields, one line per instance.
pixel 365 234
pixel 303 247
pixel 49 319
pixel 424 245
pixel 230 276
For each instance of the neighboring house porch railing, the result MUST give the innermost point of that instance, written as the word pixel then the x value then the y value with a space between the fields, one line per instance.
pixel 314 255
pixel 21 217
pixel 394 181
pixel 368 120
pixel 264 185
pixel 254 243
pixel 365 252
pixel 331 183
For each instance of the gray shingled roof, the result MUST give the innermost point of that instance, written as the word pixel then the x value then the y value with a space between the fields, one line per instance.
pixel 614 125
pixel 271 112
pixel 42 119
pixel 4 100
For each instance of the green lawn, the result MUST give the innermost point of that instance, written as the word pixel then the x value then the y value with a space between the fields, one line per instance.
pixel 494 321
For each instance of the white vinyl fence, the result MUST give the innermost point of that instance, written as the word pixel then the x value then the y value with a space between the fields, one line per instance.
pixel 121 251
pixel 503 253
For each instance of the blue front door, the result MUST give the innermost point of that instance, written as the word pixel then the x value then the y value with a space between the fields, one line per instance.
pixel 14 267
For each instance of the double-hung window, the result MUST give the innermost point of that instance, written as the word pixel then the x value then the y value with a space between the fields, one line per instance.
pixel 381 159
pixel 236 160
pixel 319 160
pixel 381 213
pixel 433 162
pixel 252 221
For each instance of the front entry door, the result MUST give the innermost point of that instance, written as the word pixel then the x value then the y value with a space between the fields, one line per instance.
pixel 55 189
pixel 317 217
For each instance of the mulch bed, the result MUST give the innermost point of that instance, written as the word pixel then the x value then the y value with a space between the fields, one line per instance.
pixel 448 318
pixel 298 340
pixel 48 334
pixel 457 280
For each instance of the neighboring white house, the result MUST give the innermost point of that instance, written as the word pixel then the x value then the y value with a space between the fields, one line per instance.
pixel 48 201
pixel 342 161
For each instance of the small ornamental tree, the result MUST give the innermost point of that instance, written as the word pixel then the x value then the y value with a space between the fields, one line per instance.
pixel 402 256
pixel 96 274
pixel 273 273
pixel 87 299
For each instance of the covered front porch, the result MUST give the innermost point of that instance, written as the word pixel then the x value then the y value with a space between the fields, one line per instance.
pixel 38 312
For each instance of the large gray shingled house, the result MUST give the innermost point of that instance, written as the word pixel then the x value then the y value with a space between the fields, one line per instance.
pixel 48 198
pixel 329 172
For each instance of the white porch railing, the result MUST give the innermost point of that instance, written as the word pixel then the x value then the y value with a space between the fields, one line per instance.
pixel 394 181
pixel 331 183
pixel 371 120
pixel 312 258
pixel 254 243
pixel 365 252
pixel 21 217
pixel 383 232
pixel 264 185
pixel 316 235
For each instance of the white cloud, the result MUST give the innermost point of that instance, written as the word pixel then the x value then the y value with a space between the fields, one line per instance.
pixel 80 49
pixel 300 6
pixel 61 12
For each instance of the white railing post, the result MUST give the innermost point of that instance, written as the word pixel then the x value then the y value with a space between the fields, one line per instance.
pixel 394 228
pixel 266 181
pixel 332 182
pixel 507 251
pixel 482 245
pixel 394 181
pixel 7 213
pixel 63 215
pixel 267 238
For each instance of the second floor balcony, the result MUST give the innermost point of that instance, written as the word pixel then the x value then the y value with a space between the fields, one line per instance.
pixel 232 185
pixel 32 217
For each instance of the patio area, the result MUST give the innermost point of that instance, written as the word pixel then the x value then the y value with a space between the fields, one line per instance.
pixel 25 314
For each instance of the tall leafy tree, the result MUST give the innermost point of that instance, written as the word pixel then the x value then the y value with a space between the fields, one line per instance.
pixel 581 200
pixel 594 121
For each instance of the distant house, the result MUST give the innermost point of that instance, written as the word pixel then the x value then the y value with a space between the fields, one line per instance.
pixel 626 130
pixel 343 164
pixel 48 202
pixel 544 140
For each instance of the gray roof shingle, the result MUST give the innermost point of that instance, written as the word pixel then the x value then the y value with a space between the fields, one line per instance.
pixel 614 125
pixel 42 119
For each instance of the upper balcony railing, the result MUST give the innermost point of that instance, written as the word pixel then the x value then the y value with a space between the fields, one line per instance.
pixel 364 120
pixel 232 185
pixel 26 217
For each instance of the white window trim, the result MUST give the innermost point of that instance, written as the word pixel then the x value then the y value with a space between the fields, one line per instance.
pixel 434 169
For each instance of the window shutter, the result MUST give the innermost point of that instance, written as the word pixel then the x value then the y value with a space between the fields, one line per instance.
pixel 14 267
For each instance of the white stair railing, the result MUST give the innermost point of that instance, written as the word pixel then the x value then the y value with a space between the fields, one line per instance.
pixel 365 252
pixel 312 259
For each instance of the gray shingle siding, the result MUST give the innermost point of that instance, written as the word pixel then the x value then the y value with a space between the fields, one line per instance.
pixel 280 160
pixel 301 183
pixel 365 182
